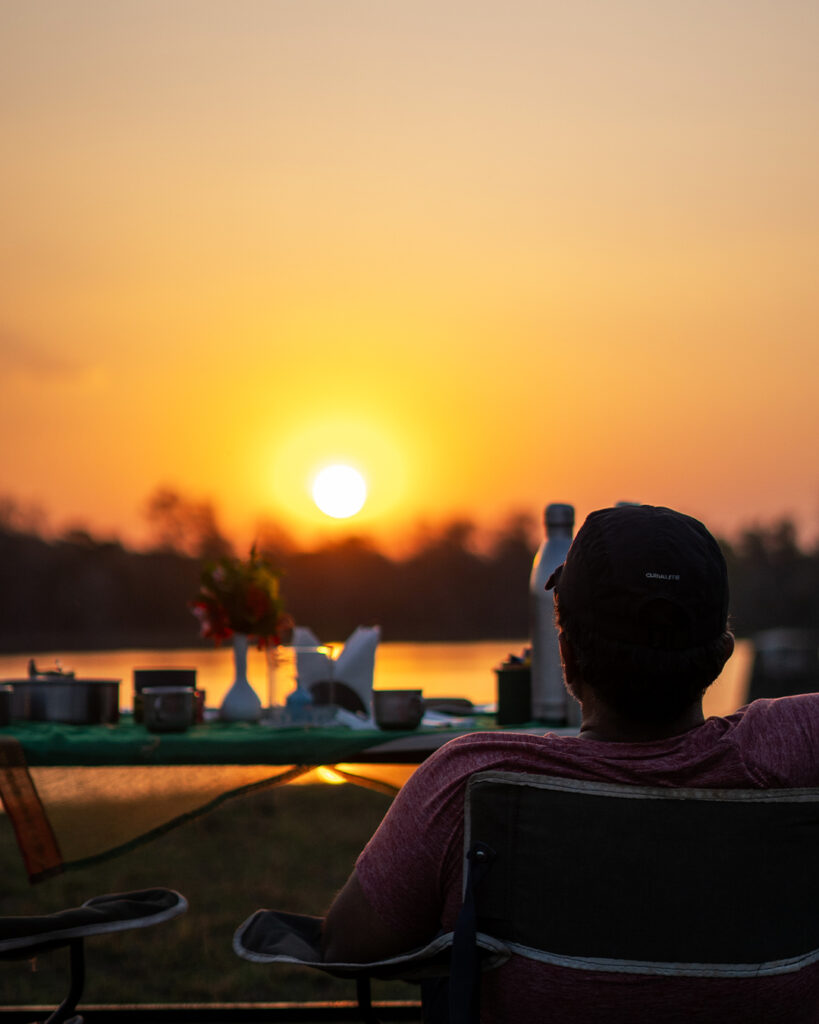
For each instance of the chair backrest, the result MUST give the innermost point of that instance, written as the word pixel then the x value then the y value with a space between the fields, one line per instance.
pixel 595 876
pixel 599 876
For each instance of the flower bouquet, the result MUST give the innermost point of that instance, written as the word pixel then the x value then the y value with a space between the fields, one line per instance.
pixel 242 596
pixel 237 600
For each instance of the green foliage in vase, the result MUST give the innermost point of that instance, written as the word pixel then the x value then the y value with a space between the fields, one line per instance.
pixel 242 596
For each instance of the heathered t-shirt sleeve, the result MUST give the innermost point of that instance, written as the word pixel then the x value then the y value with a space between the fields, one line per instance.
pixel 779 740
pixel 406 869
pixel 411 869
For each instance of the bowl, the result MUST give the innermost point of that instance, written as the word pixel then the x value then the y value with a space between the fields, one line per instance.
pixel 398 709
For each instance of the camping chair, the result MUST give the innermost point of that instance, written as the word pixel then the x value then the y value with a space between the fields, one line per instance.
pixel 22 938
pixel 544 856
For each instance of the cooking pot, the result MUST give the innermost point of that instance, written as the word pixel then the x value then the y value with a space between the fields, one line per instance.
pixel 60 698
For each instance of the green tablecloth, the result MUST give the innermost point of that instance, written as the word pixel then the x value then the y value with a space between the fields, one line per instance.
pixel 75 794
pixel 214 743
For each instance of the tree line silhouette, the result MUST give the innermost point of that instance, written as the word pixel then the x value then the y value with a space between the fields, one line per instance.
pixel 81 593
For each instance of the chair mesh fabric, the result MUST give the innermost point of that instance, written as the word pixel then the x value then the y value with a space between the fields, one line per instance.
pixel 24 936
pixel 274 936
pixel 634 878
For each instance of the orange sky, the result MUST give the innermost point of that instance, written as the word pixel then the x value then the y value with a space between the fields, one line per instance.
pixel 493 254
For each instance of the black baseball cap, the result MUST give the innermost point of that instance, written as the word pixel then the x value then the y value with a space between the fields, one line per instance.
pixel 645 575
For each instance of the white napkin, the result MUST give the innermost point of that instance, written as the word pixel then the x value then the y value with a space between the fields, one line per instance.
pixel 354 666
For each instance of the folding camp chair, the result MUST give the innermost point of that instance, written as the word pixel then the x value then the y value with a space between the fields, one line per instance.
pixel 24 937
pixel 544 856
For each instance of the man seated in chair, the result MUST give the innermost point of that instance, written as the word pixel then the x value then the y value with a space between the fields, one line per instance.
pixel 642 608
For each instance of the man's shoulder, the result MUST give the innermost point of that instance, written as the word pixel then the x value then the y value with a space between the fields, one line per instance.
pixel 796 708
pixel 492 742
pixel 473 746
pixel 476 751
pixel 780 738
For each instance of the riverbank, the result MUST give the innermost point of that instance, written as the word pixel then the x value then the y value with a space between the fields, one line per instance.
pixel 290 848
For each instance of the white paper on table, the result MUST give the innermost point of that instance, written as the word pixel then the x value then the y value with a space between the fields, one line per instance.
pixel 354 666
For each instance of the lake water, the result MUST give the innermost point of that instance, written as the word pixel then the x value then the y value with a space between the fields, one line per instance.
pixel 439 669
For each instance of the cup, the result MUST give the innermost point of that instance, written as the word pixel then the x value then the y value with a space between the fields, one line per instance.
pixel 398 709
pixel 168 708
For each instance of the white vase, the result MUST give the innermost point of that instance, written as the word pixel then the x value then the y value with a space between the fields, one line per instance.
pixel 241 703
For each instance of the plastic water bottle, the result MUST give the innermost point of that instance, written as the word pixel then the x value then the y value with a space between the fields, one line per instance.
pixel 550 700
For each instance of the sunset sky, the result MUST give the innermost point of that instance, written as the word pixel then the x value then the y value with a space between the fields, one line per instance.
pixel 491 254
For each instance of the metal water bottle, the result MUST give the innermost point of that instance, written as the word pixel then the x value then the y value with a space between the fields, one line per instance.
pixel 549 696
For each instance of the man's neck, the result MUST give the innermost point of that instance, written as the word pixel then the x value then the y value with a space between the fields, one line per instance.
pixel 607 726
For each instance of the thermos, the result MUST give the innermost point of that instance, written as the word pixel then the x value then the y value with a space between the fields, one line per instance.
pixel 550 700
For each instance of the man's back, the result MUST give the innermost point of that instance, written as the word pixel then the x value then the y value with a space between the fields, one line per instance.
pixel 641 610
pixel 411 870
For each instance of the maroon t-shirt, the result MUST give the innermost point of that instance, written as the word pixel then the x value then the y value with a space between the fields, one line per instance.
pixel 410 870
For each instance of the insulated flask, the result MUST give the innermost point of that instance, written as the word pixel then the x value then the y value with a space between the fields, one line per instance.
pixel 550 699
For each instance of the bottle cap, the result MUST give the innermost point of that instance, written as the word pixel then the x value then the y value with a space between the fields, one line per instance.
pixel 559 515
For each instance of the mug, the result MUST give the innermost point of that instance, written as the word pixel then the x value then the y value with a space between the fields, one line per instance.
pixel 168 708
pixel 398 709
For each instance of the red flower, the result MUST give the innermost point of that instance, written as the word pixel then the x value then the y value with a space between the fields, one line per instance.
pixel 238 596
pixel 257 601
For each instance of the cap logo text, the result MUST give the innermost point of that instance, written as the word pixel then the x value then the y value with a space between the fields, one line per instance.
pixel 662 575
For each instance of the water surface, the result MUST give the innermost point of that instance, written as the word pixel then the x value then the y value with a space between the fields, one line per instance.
pixel 439 669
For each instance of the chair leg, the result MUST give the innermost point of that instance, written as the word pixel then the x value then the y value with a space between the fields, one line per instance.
pixel 465 968
pixel 69 1004
pixel 365 1005
pixel 435 1000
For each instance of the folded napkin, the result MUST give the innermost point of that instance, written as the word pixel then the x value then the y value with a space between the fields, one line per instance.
pixel 317 672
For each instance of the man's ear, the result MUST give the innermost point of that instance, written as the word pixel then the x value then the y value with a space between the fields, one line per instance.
pixel 727 645
pixel 568 660
pixel 566 652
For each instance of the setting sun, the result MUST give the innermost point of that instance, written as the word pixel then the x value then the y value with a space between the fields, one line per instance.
pixel 380 255
pixel 339 491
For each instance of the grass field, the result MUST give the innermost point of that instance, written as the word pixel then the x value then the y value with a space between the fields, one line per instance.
pixel 289 848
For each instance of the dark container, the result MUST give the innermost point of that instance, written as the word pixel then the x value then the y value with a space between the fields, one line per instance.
pixel 64 699
pixel 514 694
pixel 6 694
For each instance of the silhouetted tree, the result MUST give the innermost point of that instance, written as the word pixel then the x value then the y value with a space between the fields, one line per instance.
pixel 184 526
pixel 18 517
pixel 274 542
pixel 78 592
pixel 448 586
pixel 511 560
pixel 341 586
pixel 774 583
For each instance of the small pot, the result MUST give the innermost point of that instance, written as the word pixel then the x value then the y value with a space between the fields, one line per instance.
pixel 147 677
pixel 168 708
